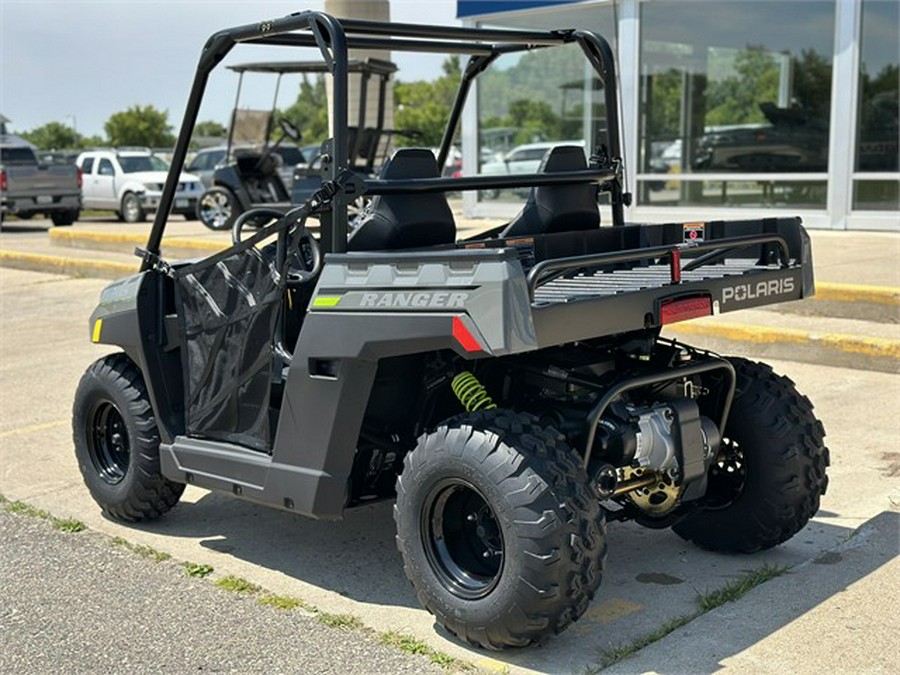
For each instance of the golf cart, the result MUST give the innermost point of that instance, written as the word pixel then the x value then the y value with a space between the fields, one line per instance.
pixel 249 176
pixel 511 391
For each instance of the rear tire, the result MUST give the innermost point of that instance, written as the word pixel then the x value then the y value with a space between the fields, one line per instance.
pixel 63 218
pixel 770 472
pixel 117 442
pixel 500 532
pixel 132 211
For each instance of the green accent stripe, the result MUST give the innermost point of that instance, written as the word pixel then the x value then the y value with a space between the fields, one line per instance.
pixel 327 300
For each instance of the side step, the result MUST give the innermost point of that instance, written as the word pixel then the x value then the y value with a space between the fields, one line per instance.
pixel 251 475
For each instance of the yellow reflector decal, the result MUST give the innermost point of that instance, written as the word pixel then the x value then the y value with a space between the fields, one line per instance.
pixel 98 326
pixel 326 301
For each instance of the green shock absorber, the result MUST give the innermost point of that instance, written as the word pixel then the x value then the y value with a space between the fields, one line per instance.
pixel 471 393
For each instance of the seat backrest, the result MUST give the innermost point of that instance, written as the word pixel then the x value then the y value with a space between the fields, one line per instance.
pixel 558 208
pixel 393 222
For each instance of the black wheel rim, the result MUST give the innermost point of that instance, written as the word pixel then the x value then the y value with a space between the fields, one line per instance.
pixel 727 476
pixel 463 540
pixel 108 442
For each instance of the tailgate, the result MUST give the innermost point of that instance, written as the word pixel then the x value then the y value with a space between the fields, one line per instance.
pixel 675 274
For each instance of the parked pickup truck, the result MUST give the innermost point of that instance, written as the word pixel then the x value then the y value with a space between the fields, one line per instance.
pixel 130 182
pixel 29 187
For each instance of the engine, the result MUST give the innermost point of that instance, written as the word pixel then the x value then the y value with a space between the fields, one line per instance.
pixel 656 455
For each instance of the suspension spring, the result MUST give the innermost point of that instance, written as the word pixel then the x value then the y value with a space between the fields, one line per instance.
pixel 471 393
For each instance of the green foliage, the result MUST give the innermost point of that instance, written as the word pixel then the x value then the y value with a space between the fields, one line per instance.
pixel 410 645
pixel 739 587
pixel 68 525
pixel 342 621
pixel 197 570
pixel 210 129
pixel 53 136
pixel 284 602
pixel 309 113
pixel 423 107
pixel 140 125
pixel 736 99
pixel 23 509
pixel 141 550
pixel 236 585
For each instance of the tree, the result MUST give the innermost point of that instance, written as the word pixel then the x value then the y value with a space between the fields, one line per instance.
pixel 309 113
pixel 52 136
pixel 209 129
pixel 423 107
pixel 140 125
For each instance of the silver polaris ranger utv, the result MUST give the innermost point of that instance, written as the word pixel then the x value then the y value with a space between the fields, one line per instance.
pixel 510 391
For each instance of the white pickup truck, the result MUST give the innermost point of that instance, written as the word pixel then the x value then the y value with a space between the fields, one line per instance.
pixel 29 187
pixel 130 182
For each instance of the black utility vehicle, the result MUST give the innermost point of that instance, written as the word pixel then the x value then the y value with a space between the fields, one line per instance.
pixel 512 391
pixel 250 175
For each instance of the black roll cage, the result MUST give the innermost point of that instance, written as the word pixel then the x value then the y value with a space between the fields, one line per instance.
pixel 334 38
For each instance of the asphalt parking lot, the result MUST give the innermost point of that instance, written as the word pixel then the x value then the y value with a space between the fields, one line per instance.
pixel 352 567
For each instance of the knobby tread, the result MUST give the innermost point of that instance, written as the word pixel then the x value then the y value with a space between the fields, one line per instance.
pixel 144 494
pixel 786 459
pixel 557 534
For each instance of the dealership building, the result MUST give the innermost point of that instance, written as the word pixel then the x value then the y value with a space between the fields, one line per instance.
pixel 729 108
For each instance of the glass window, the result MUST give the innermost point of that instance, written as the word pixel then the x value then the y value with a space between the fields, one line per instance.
pixel 529 102
pixel 729 87
pixel 17 155
pixel 87 165
pixel 106 168
pixel 877 130
pixel 137 163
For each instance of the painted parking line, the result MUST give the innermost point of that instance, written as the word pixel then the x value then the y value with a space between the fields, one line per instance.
pixel 34 428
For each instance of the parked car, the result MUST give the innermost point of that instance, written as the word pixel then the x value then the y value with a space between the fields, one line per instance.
pixel 521 159
pixel 130 182
pixel 29 187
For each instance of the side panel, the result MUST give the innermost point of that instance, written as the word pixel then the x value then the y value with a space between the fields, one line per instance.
pixel 130 316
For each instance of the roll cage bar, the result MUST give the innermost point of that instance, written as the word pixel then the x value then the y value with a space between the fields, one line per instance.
pixel 334 38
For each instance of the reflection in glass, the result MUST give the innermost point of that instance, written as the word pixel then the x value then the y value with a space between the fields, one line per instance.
pixel 879 87
pixel 733 193
pixel 735 87
pixel 531 102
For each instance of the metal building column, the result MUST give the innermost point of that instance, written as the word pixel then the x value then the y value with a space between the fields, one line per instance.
pixel 844 97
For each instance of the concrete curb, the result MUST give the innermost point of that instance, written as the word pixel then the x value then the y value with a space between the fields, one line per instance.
pixel 76 267
pixel 832 349
pixel 176 247
pixel 857 293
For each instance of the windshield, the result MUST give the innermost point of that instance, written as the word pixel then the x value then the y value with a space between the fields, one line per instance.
pixel 142 163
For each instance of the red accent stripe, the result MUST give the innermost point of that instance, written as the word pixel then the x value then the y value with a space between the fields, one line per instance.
pixel 464 337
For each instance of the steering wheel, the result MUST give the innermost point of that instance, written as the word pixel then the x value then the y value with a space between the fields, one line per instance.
pixel 305 258
pixel 288 128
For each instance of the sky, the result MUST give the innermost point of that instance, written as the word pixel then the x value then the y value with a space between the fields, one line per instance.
pixel 79 61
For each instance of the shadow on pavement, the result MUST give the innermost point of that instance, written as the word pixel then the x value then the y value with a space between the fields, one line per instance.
pixel 651 576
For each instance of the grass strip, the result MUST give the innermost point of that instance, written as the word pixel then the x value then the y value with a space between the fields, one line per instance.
pixel 731 592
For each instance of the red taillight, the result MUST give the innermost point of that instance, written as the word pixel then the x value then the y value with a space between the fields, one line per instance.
pixel 464 336
pixel 672 311
pixel 3 180
pixel 80 177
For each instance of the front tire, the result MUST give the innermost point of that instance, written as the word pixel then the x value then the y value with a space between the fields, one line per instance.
pixel 117 442
pixel 500 532
pixel 769 475
pixel 218 208
pixel 131 210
